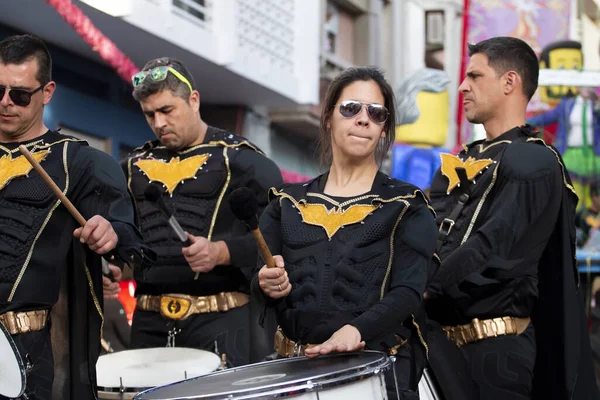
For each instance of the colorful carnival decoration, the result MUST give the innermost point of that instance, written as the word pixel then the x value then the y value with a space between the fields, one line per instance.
pixel 538 22
pixel 96 39
pixel 581 155
pixel 556 56
pixel 560 55
pixel 423 112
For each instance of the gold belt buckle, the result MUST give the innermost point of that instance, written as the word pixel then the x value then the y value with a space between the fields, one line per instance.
pixel 175 306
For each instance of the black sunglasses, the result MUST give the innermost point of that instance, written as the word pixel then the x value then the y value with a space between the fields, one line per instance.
pixel 20 97
pixel 351 108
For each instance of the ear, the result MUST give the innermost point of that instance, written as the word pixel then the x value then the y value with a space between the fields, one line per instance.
pixel 195 100
pixel 382 134
pixel 48 91
pixel 511 82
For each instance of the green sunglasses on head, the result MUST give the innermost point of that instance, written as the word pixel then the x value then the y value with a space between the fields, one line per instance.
pixel 158 74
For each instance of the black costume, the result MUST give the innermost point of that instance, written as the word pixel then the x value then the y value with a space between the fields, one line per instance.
pixel 43 267
pixel 360 261
pixel 197 182
pixel 509 252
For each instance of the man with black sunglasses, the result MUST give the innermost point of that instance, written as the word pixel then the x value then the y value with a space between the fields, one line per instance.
pixel 50 268
pixel 197 293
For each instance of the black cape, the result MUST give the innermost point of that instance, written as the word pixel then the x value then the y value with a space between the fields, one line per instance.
pixel 563 368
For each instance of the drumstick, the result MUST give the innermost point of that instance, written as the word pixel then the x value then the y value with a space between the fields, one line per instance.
pixel 61 196
pixel 245 207
pixel 36 165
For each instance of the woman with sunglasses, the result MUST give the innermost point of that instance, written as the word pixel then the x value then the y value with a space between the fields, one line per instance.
pixel 352 245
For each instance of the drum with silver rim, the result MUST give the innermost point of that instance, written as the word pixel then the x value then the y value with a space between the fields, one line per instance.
pixel 123 374
pixel 13 377
pixel 334 377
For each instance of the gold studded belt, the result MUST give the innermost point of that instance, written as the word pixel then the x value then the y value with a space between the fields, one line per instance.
pixel 181 306
pixel 484 329
pixel 286 347
pixel 23 322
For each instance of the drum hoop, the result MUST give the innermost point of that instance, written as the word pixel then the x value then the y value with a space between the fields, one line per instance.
pixel 114 389
pixel 17 354
pixel 427 378
pixel 334 379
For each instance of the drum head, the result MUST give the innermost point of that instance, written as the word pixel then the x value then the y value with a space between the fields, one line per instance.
pixel 146 368
pixel 12 370
pixel 279 377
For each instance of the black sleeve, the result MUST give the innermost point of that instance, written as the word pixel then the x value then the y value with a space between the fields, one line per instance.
pixel 270 226
pixel 414 245
pixel 263 174
pixel 528 181
pixel 101 189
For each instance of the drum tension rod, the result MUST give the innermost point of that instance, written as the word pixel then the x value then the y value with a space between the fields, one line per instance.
pixel 28 364
pixel 393 360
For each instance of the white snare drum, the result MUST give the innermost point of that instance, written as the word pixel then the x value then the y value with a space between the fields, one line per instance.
pixel 428 389
pixel 123 374
pixel 13 378
pixel 334 377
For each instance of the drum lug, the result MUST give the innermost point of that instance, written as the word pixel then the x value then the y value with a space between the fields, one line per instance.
pixel 171 338
pixel 297 350
pixel 28 364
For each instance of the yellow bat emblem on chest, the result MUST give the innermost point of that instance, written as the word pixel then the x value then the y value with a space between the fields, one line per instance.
pixel 332 220
pixel 11 168
pixel 172 173
pixel 471 166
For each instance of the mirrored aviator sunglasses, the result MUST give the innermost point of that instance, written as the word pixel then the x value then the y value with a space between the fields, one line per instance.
pixel 157 74
pixel 20 97
pixel 351 108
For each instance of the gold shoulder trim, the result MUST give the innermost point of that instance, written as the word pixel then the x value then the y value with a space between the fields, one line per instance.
pixel 562 167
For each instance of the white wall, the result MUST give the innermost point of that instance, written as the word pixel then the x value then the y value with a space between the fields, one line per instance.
pixel 591 45
pixel 414 45
pixel 274 43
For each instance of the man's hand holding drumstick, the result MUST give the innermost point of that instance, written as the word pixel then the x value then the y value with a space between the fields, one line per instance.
pixel 96 232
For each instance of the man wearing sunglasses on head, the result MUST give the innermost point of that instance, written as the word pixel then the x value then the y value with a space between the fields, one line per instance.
pixel 50 268
pixel 197 293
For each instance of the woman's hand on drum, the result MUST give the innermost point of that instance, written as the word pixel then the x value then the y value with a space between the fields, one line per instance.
pixel 274 282
pixel 346 339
